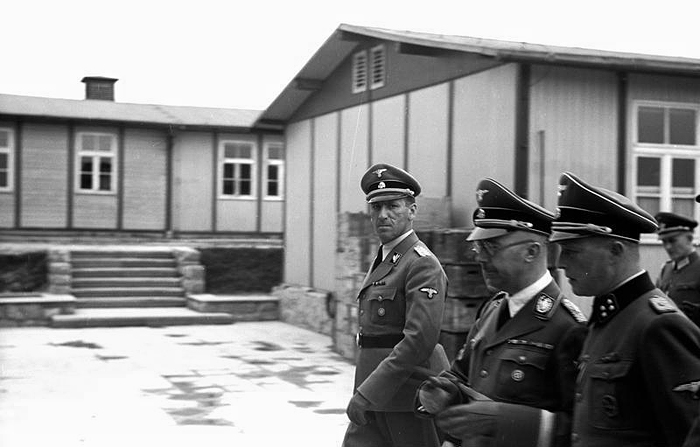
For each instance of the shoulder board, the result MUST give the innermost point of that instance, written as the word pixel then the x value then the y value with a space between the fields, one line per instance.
pixel 422 251
pixel 573 310
pixel 661 304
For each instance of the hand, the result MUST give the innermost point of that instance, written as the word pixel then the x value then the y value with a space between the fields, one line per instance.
pixel 692 310
pixel 469 421
pixel 437 393
pixel 357 409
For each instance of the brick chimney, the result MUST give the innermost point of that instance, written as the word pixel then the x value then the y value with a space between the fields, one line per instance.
pixel 98 87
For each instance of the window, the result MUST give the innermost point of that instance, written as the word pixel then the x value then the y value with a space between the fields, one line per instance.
pixel 237 169
pixel 274 171
pixel 666 155
pixel 96 162
pixel 369 73
pixel 6 159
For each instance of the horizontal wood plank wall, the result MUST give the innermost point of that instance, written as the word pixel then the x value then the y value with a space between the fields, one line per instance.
pixel 298 215
pixel 483 132
pixel 353 158
pixel 145 179
pixel 324 192
pixel 577 111
pixel 192 181
pixel 388 131
pixel 43 175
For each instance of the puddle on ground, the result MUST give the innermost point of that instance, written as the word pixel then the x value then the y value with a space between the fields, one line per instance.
pixel 107 358
pixel 175 335
pixel 203 343
pixel 78 344
pixel 305 403
pixel 204 399
pixel 330 411
pixel 267 346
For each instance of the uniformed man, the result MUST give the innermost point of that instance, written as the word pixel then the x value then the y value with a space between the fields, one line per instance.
pixel 512 384
pixel 401 302
pixel 680 276
pixel 640 365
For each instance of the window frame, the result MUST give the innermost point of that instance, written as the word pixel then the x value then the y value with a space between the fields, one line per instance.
pixel 666 153
pixel 96 155
pixel 10 151
pixel 252 161
pixel 281 164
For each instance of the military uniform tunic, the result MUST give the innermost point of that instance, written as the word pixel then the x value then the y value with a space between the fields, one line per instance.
pixel 638 371
pixel 529 361
pixel 680 280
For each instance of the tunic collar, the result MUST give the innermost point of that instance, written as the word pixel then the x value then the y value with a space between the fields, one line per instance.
pixel 605 307
pixel 685 260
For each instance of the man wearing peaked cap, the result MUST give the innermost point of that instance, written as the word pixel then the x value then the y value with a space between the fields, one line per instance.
pixel 640 366
pixel 680 276
pixel 401 303
pixel 519 356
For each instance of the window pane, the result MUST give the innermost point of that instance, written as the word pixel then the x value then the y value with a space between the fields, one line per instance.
pixel 272 189
pixel 245 172
pixel 684 207
pixel 85 181
pixel 105 143
pixel 105 164
pixel 272 172
pixel 237 150
pixel 230 151
pixel 650 125
pixel 4 138
pixel 3 179
pixel 88 143
pixel 245 187
pixel 3 161
pixel 105 182
pixel 228 170
pixel 649 204
pixel 683 173
pixel 86 164
pixel 682 126
pixel 274 152
pixel 228 187
pixel 648 171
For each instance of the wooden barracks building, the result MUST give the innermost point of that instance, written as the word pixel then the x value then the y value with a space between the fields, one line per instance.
pixel 450 109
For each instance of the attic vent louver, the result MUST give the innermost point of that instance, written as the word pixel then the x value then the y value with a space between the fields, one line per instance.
pixel 359 72
pixel 98 87
pixel 378 64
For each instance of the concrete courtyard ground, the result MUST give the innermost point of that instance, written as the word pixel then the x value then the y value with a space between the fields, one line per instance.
pixel 244 384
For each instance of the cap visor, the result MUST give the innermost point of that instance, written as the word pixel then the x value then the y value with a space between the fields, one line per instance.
pixel 558 236
pixel 386 197
pixel 486 233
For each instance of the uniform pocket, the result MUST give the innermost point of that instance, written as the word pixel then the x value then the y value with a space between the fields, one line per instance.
pixel 522 374
pixel 611 396
pixel 384 307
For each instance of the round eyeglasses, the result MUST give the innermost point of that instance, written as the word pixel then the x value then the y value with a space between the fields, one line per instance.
pixel 492 248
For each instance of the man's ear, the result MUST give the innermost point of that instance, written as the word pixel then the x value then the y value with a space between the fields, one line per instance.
pixel 412 210
pixel 617 248
pixel 533 251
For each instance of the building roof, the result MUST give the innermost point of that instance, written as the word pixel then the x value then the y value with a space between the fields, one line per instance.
pixel 116 112
pixel 346 37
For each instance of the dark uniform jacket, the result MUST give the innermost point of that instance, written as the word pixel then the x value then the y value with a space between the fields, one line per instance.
pixel 530 361
pixel 681 280
pixel 404 295
pixel 638 372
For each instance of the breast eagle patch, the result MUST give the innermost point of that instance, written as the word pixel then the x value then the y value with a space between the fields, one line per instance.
pixel 429 291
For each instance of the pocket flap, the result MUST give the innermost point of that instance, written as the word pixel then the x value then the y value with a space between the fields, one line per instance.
pixel 531 357
pixel 609 371
pixel 381 293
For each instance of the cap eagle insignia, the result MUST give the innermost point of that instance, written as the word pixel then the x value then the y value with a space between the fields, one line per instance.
pixel 379 172
pixel 561 189
pixel 480 194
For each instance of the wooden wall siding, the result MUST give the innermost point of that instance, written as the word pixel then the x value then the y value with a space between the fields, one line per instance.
pixel 405 73
pixel 192 181
pixel 273 216
pixel 44 176
pixel 145 161
pixel 298 235
pixel 237 215
pixel 7 209
pixel 574 113
pixel 388 131
pixel 325 186
pixel 483 136
pixel 427 139
pixel 353 158
pixel 95 211
pixel 663 88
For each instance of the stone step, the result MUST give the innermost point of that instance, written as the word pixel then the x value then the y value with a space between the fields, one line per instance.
pixel 126 253
pixel 102 302
pixel 137 317
pixel 131 272
pixel 84 263
pixel 91 283
pixel 242 307
pixel 127 291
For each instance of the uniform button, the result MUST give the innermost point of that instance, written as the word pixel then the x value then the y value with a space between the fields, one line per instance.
pixel 574 437
pixel 522 358
pixel 362 312
pixel 380 298
pixel 579 396
pixel 483 373
pixel 381 311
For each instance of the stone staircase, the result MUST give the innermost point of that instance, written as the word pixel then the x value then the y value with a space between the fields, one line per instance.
pixel 133 287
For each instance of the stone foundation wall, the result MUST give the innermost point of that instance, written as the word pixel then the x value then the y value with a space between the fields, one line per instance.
pixel 306 307
pixel 33 309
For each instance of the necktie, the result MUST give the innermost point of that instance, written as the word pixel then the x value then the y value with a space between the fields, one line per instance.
pixel 377 259
pixel 503 312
